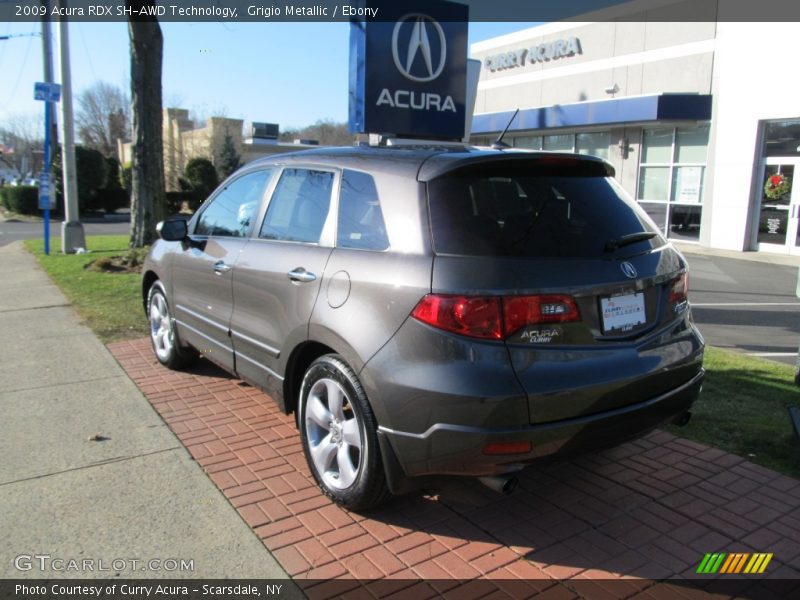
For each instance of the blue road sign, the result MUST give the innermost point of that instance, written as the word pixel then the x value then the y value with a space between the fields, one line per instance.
pixel 46 199
pixel 46 92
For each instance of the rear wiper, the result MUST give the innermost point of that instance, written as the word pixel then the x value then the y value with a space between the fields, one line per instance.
pixel 631 238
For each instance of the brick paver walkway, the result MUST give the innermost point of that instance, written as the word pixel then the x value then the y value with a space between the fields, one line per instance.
pixel 649 509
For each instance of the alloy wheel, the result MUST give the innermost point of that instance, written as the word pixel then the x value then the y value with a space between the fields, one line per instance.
pixel 161 327
pixel 334 434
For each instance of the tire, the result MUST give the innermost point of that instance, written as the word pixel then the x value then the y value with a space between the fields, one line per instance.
pixel 166 344
pixel 338 432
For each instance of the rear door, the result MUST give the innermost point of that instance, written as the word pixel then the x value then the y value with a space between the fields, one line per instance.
pixel 584 274
pixel 202 271
pixel 279 273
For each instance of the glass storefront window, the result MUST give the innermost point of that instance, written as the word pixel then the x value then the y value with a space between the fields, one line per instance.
pixel 529 142
pixel 672 178
pixel 782 138
pixel 684 222
pixel 654 183
pixel 691 145
pixel 774 213
pixel 657 211
pixel 687 184
pixel 559 143
pixel 657 146
pixel 595 144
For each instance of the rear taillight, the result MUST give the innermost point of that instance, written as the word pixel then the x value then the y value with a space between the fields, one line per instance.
pixel 679 292
pixel 467 315
pixel 493 317
pixel 519 311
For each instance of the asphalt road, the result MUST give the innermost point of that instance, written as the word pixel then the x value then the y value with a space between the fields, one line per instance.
pixel 12 231
pixel 739 304
pixel 746 305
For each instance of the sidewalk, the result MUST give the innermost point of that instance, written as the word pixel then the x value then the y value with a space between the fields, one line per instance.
pixel 135 495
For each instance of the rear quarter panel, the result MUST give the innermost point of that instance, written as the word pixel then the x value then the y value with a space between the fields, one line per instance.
pixel 367 295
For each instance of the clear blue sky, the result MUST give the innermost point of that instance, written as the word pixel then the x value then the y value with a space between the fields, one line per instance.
pixel 287 73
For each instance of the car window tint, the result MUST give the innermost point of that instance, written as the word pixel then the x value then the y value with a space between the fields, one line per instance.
pixel 361 223
pixel 517 212
pixel 231 212
pixel 299 206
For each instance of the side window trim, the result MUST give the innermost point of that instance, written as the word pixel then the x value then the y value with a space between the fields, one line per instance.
pixel 269 189
pixel 328 236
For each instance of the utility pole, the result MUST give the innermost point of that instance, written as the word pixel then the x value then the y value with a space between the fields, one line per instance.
pixel 72 234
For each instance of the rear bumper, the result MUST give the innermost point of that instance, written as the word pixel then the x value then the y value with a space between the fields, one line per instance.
pixel 457 449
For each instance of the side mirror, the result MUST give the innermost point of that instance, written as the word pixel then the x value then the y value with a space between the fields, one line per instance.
pixel 173 230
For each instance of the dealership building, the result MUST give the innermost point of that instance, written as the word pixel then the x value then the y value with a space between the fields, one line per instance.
pixel 701 120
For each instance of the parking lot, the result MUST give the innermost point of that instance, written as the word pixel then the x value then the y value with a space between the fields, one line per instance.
pixel 747 305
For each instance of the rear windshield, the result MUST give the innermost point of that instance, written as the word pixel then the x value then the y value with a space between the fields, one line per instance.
pixel 513 211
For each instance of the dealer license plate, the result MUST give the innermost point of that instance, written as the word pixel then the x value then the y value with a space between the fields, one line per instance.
pixel 622 313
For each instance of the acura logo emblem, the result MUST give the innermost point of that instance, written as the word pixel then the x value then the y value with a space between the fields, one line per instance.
pixel 419 60
pixel 629 270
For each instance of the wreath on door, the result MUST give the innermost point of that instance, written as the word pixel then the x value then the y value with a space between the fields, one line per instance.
pixel 777 186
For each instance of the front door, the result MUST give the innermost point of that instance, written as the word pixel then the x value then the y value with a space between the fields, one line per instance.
pixel 779 206
pixel 202 273
pixel 203 296
pixel 279 274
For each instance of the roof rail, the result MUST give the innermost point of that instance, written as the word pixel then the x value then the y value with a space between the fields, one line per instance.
pixel 396 142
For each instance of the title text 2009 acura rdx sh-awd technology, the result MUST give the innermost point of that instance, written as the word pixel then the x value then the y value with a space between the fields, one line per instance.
pixel 430 311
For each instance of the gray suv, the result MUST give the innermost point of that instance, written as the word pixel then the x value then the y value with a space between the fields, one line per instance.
pixel 427 311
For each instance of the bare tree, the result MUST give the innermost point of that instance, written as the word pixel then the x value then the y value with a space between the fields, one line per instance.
pixel 22 138
pixel 148 196
pixel 103 117
pixel 326 132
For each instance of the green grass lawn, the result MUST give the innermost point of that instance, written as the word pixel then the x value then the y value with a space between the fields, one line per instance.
pixel 742 408
pixel 109 303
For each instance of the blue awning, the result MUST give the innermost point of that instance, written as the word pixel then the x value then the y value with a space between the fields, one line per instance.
pixel 616 111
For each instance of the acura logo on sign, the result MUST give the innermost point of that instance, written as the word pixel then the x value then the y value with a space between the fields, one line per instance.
pixel 422 61
pixel 629 270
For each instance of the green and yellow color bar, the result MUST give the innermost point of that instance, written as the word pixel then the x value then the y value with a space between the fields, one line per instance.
pixel 736 562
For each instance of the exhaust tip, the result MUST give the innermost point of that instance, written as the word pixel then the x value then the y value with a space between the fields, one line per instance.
pixel 503 484
pixel 683 419
pixel 510 485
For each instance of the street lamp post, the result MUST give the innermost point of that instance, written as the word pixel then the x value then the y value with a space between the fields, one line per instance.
pixel 72 234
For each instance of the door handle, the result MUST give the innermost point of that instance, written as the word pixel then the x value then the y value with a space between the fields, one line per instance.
pixel 221 267
pixel 300 275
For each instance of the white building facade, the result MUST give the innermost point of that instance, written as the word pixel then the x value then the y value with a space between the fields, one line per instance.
pixel 701 120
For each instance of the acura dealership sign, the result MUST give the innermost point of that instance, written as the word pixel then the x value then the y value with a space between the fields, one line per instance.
pixel 408 75
pixel 539 53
